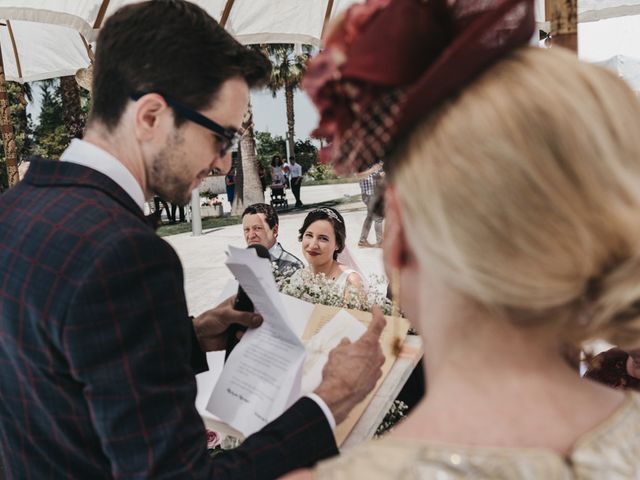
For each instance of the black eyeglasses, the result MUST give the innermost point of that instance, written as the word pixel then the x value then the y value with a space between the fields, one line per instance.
pixel 229 136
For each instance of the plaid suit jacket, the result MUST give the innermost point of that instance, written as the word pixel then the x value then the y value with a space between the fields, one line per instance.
pixel 95 346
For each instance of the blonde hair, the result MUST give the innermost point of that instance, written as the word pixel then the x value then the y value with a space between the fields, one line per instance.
pixel 523 193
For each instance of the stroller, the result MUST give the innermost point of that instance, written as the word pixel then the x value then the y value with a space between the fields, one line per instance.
pixel 278 196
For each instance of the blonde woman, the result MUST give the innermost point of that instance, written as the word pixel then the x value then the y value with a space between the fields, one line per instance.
pixel 512 226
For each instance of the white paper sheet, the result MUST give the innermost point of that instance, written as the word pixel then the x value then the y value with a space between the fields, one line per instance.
pixel 263 373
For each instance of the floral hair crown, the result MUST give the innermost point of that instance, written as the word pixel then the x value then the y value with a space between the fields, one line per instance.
pixel 330 212
pixel 388 63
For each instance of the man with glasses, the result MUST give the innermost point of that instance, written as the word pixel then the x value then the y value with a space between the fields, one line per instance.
pixel 97 351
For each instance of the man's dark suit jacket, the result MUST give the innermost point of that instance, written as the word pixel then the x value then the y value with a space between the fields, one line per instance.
pixel 95 346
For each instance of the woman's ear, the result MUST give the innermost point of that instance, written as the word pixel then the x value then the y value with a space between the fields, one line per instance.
pixel 396 250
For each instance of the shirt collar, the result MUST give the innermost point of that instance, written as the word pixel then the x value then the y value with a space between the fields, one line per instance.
pixel 276 250
pixel 89 155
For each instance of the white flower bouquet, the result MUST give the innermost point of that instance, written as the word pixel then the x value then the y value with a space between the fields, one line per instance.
pixel 318 289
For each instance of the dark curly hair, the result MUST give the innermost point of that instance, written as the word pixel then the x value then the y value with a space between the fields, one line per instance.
pixel 270 214
pixel 332 216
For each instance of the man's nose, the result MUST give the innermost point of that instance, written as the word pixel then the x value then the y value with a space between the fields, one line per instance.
pixel 222 164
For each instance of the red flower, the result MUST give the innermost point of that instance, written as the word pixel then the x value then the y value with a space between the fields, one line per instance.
pixel 213 439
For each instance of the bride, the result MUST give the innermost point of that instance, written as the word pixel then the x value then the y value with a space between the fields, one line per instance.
pixel 323 237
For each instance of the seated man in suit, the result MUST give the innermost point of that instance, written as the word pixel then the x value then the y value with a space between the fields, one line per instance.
pixel 260 224
pixel 97 350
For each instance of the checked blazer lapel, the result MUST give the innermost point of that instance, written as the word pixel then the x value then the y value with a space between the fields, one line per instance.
pixel 47 173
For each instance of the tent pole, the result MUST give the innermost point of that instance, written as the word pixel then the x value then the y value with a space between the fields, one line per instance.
pixel 101 12
pixel 327 17
pixel 225 13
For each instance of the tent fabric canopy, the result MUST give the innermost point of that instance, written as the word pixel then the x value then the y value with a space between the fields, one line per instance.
pixel 595 10
pixel 49 38
pixel 38 51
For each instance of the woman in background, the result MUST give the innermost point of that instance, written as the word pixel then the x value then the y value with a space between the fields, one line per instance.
pixel 277 174
pixel 230 183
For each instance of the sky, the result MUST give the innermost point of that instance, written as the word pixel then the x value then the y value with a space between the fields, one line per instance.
pixel 270 115
pixel 597 41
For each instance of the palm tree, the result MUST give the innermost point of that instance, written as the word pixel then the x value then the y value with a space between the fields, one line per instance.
pixel 288 67
pixel 73 118
pixel 563 15
pixel 248 187
pixel 8 135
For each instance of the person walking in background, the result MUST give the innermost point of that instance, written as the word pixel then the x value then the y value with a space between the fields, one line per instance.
pixel 295 175
pixel 175 207
pixel 160 204
pixel 230 183
pixel 368 181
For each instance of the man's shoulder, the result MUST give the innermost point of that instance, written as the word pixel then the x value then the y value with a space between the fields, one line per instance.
pixel 290 257
pixel 287 260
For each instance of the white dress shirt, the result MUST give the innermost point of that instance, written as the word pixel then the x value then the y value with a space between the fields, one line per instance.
pixel 295 170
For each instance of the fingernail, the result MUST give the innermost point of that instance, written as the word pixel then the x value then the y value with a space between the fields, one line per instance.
pixel 256 320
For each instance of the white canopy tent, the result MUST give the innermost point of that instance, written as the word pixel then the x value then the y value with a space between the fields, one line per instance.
pixel 50 38
pixel 596 10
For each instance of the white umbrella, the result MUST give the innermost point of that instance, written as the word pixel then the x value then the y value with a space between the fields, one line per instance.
pixel 45 39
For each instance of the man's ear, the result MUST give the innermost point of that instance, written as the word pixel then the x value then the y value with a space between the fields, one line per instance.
pixel 396 251
pixel 275 230
pixel 149 110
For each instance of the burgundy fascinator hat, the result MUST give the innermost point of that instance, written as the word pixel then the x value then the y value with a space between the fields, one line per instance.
pixel 388 63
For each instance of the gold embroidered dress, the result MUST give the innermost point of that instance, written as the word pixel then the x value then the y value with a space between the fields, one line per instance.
pixel 610 451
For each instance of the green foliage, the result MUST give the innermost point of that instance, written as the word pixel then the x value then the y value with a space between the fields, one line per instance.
pixel 288 65
pixel 320 172
pixel 395 414
pixel 268 146
pixel 306 154
pixel 50 135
